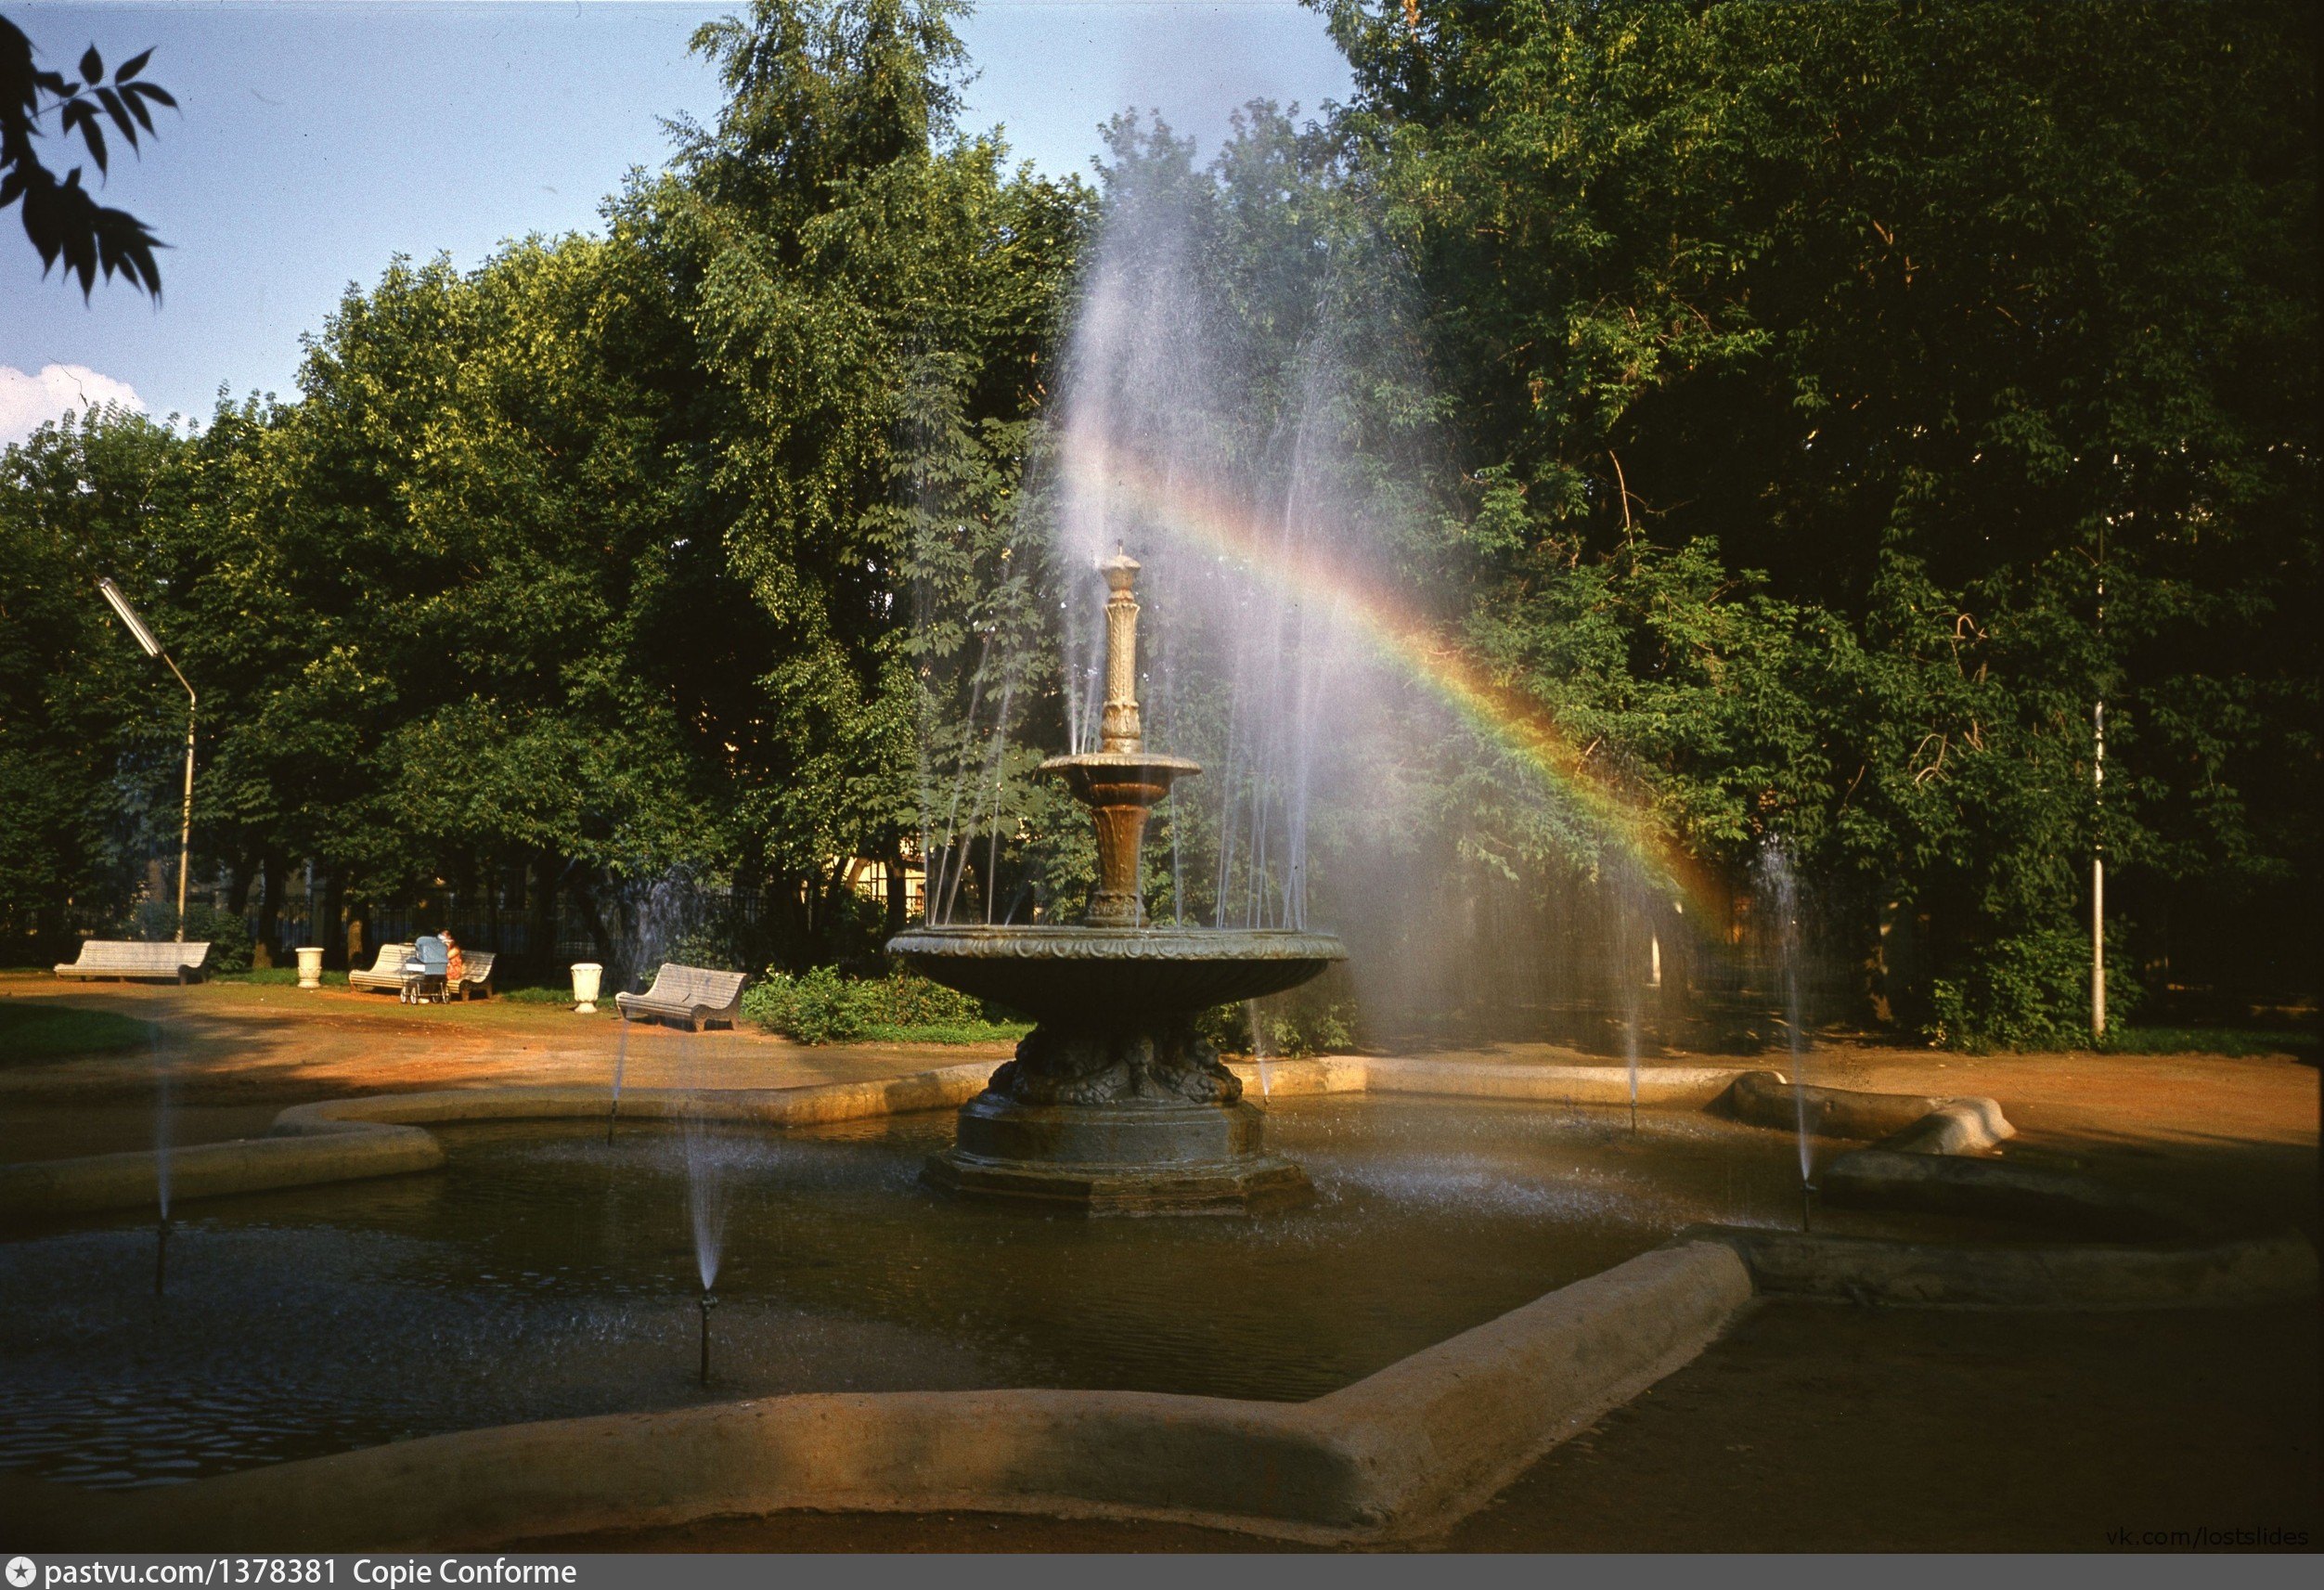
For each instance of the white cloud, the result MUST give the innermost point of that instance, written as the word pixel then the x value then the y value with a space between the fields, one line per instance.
pixel 28 401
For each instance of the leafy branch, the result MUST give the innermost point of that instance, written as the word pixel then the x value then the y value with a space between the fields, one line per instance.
pixel 62 219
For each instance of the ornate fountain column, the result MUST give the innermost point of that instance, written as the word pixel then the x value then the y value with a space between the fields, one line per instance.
pixel 1120 730
pixel 1119 783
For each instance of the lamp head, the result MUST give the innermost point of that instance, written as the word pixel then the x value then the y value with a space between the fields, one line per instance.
pixel 128 615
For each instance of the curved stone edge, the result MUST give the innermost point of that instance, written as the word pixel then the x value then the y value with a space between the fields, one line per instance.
pixel 384 1134
pixel 1912 1123
pixel 1696 1085
pixel 58 1187
pixel 2242 1273
pixel 1395 1456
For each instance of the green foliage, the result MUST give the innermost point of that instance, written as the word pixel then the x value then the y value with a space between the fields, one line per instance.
pixel 1292 1027
pixel 1776 384
pixel 822 1005
pixel 1817 363
pixel 224 931
pixel 2235 1041
pixel 1301 1032
pixel 63 218
pixel 2031 991
pixel 32 1031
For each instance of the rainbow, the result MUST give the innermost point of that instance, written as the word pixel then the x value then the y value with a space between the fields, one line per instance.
pixel 1492 711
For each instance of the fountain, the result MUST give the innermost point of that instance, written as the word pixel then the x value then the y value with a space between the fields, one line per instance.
pixel 1114 1102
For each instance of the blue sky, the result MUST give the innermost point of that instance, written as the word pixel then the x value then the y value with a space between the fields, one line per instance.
pixel 317 139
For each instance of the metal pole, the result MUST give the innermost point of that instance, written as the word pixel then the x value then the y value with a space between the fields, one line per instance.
pixel 185 818
pixel 2097 836
pixel 151 647
pixel 2098 887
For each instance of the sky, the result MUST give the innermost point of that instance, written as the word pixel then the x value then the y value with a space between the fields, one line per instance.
pixel 318 139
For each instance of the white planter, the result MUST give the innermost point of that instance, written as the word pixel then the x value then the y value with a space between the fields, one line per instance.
pixel 310 966
pixel 585 975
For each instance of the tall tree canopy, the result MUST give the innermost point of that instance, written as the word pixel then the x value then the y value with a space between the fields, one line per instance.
pixel 1810 412
pixel 1816 365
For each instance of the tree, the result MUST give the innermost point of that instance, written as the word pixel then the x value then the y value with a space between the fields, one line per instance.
pixel 88 746
pixel 871 295
pixel 1914 317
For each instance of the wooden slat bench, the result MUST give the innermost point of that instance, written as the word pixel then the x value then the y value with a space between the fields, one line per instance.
pixel 476 974
pixel 694 995
pixel 119 958
pixel 387 972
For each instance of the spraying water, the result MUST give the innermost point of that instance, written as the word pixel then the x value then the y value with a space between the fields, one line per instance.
pixel 1630 1054
pixel 1259 1048
pixel 707 1155
pixel 163 1147
pixel 706 1196
pixel 1780 896
pixel 1248 416
pixel 621 1063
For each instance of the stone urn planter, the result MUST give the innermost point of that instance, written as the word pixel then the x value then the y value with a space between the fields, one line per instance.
pixel 310 966
pixel 586 977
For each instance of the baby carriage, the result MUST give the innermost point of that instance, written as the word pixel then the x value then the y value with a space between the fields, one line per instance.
pixel 424 972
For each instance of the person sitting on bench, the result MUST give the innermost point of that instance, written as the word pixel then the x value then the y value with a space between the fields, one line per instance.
pixel 455 965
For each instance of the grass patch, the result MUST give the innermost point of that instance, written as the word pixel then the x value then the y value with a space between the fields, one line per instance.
pixel 2230 1040
pixel 278 978
pixel 535 995
pixel 30 1031
pixel 949 1032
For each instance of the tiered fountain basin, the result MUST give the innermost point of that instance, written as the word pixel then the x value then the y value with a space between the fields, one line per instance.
pixel 1116 1105
pixel 1368 1368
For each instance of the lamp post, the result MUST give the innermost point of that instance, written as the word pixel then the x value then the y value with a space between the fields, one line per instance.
pixel 152 647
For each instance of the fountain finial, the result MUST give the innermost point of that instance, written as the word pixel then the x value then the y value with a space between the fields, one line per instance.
pixel 1120 728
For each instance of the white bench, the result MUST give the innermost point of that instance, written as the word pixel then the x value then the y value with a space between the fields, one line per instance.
pixel 694 995
pixel 476 974
pixel 386 972
pixel 171 962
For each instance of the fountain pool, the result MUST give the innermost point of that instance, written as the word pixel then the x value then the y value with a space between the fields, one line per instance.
pixel 542 1274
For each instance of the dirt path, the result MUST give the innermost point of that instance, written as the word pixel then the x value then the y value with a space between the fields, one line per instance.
pixel 234 1053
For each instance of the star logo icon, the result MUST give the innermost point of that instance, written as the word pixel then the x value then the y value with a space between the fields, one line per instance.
pixel 21 1571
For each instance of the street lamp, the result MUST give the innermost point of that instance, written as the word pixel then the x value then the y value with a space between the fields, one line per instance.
pixel 144 637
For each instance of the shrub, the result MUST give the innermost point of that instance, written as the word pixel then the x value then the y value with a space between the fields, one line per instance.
pixel 816 1006
pixel 823 1006
pixel 1288 1028
pixel 2031 990
pixel 228 934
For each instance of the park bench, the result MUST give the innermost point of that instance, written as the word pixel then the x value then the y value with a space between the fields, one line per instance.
pixel 386 972
pixel 694 995
pixel 119 958
pixel 475 974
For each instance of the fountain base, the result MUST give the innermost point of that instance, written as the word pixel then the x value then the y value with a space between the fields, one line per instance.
pixel 1130 1159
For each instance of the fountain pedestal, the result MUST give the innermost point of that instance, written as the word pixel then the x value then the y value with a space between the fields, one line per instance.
pixel 1114 1102
pixel 1109 1159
